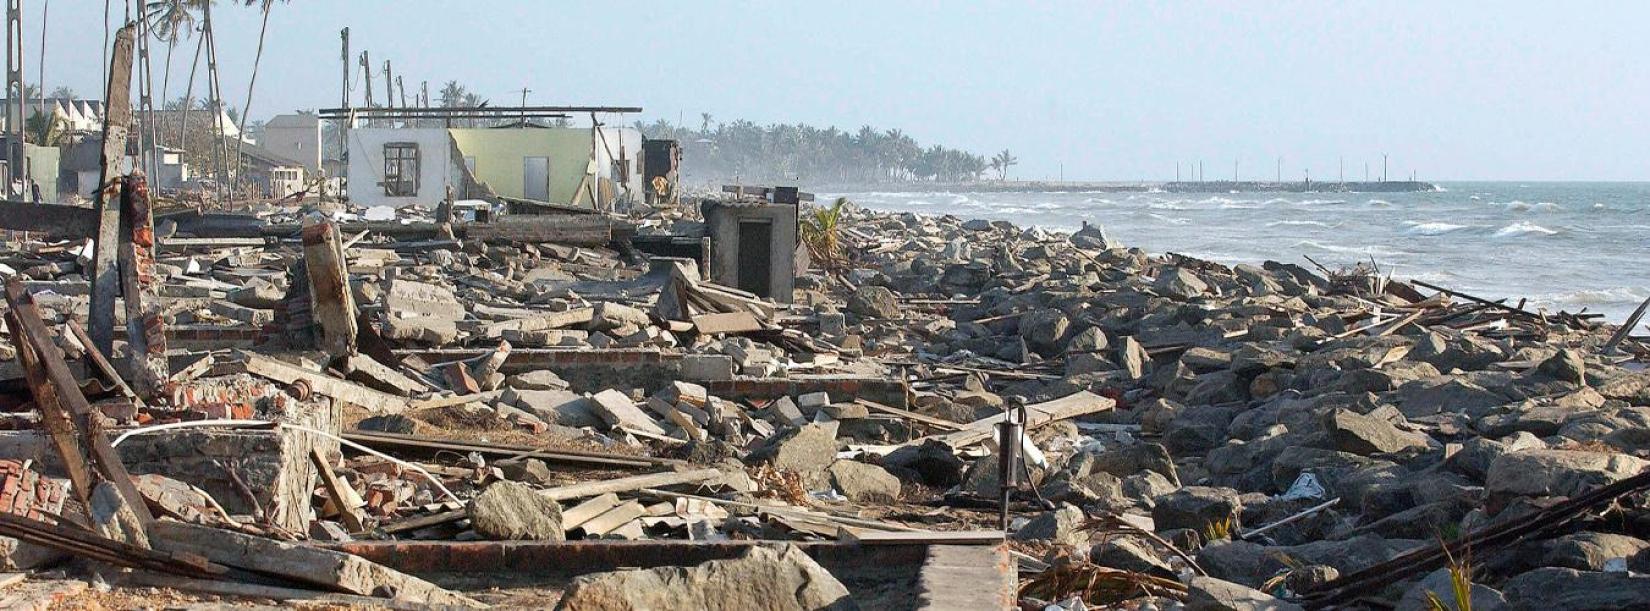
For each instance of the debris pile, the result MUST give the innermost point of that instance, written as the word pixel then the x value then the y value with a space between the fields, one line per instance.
pixel 1182 430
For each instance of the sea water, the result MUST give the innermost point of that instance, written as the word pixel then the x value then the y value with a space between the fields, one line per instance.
pixel 1569 246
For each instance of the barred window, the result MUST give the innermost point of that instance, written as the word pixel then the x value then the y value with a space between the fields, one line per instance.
pixel 401 169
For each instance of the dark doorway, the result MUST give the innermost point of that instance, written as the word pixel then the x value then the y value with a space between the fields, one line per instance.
pixel 756 256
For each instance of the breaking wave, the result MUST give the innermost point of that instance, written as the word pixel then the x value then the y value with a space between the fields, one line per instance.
pixel 1435 228
pixel 1522 228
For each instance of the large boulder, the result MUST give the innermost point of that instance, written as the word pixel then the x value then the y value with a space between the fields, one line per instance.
pixel 1059 526
pixel 1557 588
pixel 1196 507
pixel 510 511
pixel 1439 584
pixel 1557 472
pixel 873 301
pixel 763 579
pixel 1589 551
pixel 1365 435
pixel 1210 594
pixel 933 462
pixel 1044 330
pixel 1132 459
pixel 1179 283
pixel 861 482
pixel 808 449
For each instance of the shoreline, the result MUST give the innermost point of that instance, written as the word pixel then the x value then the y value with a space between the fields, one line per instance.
pixel 1214 186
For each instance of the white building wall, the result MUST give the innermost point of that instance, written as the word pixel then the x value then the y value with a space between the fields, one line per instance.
pixel 366 165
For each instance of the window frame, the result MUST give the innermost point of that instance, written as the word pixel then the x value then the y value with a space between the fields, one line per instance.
pixel 402 163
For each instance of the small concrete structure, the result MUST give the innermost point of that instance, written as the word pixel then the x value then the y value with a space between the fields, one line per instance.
pixel 753 245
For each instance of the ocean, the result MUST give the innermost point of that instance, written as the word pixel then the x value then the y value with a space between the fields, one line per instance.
pixel 1569 246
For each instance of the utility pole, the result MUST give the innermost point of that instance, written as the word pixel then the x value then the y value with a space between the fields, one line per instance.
pixel 424 94
pixel 1366 171
pixel 14 95
pixel 1280 169
pixel 403 90
pixel 1176 167
pixel 1235 170
pixel 225 186
pixel 1343 168
pixel 1383 167
pixel 1200 173
pixel 389 86
pixel 366 73
pixel 343 126
pixel 148 153
pixel 524 92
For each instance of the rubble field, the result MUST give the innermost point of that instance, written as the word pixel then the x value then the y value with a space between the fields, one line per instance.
pixel 301 407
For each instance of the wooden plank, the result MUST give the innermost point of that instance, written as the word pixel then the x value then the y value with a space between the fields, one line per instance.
pixel 627 484
pixel 60 392
pixel 615 517
pixel 395 442
pixel 540 321
pixel 325 568
pixel 341 390
pixel 910 415
pixel 929 537
pixel 58 221
pixel 1070 406
pixel 117 117
pixel 575 516
pixel 348 513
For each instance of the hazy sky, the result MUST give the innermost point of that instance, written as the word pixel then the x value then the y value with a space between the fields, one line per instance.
pixel 1506 90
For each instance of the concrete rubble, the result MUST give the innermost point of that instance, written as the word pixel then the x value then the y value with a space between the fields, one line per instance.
pixel 1269 436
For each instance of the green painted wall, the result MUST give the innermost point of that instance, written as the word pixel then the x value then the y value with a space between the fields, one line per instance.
pixel 498 157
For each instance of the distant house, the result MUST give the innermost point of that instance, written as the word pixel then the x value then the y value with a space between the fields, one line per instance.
pixel 273 174
pixel 415 165
pixel 78 115
pixel 296 137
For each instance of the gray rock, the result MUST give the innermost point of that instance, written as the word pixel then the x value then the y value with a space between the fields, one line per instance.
pixel 1195 507
pixel 1129 554
pixel 1059 526
pixel 1090 339
pixel 808 449
pixel 1557 472
pixel 873 301
pixel 541 379
pixel 1132 459
pixel 1557 588
pixel 1588 551
pixel 1483 598
pixel 861 482
pixel 1044 330
pixel 1132 358
pixel 1210 594
pixel 1566 366
pixel 1179 283
pixel 1364 435
pixel 511 511
pixel 764 578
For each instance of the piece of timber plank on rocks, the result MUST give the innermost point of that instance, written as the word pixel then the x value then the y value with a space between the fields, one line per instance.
pixel 552 320
pixel 1070 406
pixel 613 518
pixel 910 415
pixel 348 512
pixel 956 537
pixel 575 516
pixel 366 370
pixel 730 322
pixel 341 390
pixel 579 491
pixel 616 409
pixel 301 563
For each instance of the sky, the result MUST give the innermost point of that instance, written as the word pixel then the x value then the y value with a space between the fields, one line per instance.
pixel 1080 90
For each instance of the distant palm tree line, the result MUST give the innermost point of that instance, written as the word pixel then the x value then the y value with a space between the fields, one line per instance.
pixel 754 153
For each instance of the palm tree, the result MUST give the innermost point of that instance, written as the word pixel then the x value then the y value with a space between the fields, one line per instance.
pixel 170 19
pixel 704 122
pixel 246 106
pixel 1002 161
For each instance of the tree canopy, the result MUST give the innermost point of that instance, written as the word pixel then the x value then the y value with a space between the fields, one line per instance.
pixel 752 153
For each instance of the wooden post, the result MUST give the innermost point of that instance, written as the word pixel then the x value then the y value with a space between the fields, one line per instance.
pixel 331 304
pixel 145 328
pixel 116 120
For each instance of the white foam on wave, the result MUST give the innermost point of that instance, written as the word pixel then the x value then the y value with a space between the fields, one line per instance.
pixel 1378 202
pixel 1169 219
pixel 1322 202
pixel 1432 228
pixel 1584 297
pixel 1522 228
pixel 1358 250
pixel 1165 206
pixel 1519 205
pixel 1303 224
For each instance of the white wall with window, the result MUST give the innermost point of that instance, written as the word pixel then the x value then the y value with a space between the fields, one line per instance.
pixel 399 166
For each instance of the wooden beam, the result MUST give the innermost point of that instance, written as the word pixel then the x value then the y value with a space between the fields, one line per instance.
pixel 347 512
pixel 117 119
pixel 341 390
pixel 53 220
